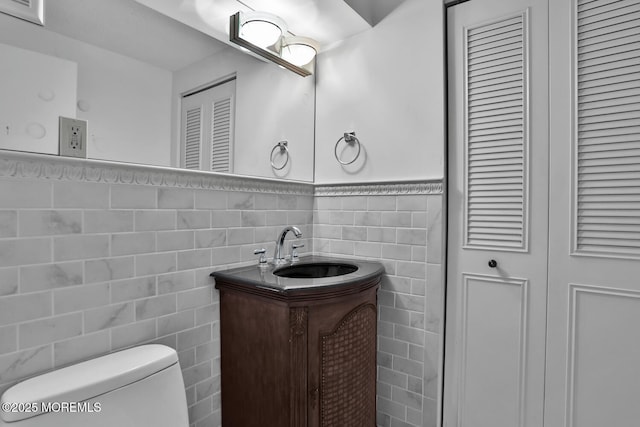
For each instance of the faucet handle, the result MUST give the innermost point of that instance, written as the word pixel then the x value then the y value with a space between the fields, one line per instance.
pixel 262 261
pixel 294 250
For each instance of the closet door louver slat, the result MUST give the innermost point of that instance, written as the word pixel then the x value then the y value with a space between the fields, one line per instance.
pixel 496 135
pixel 221 136
pixel 193 134
pixel 606 219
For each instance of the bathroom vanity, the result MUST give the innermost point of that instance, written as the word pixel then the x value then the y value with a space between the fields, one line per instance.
pixel 299 350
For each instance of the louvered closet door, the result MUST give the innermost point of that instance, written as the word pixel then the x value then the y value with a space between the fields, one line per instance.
pixel 497 190
pixel 221 133
pixel 207 128
pixel 192 136
pixel 593 367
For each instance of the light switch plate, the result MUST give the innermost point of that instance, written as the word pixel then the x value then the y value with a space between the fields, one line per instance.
pixel 72 137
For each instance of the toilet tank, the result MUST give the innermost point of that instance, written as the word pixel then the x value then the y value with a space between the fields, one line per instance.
pixel 138 387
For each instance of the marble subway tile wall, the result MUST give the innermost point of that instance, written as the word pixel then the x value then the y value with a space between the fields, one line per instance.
pixel 87 268
pixel 401 226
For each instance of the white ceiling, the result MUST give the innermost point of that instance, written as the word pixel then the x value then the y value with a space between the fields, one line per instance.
pixel 172 34
pixel 128 28
pixel 373 11
pixel 326 21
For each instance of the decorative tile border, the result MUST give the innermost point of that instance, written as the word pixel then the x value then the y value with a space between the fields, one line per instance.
pixel 42 166
pixel 380 189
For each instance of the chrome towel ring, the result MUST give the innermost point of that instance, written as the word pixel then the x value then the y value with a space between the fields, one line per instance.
pixel 282 145
pixel 349 138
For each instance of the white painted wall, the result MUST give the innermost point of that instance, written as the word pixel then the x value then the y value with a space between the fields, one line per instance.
pixel 129 101
pixel 272 104
pixel 34 90
pixel 387 85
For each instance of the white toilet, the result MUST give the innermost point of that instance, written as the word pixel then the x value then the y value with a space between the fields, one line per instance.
pixel 138 387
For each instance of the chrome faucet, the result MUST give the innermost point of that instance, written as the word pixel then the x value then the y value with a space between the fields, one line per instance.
pixel 278 254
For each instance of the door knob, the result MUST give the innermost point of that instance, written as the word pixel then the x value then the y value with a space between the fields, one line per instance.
pixel 493 263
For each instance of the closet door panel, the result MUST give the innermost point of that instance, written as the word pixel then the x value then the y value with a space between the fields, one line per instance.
pixel 593 341
pixel 493 343
pixel 497 211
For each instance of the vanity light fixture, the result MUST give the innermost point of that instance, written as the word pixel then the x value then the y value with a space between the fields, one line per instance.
pixel 298 50
pixel 262 29
pixel 249 29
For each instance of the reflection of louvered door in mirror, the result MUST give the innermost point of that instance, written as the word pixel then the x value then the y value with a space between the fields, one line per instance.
pixel 221 131
pixel 207 128
pixel 497 234
pixel 192 136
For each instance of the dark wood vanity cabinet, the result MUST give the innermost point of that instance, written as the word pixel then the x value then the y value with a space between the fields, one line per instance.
pixel 301 358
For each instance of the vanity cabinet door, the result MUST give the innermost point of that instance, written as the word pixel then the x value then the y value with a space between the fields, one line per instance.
pixel 342 361
pixel 254 360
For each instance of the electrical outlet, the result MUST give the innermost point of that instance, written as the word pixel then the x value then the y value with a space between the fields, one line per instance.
pixel 72 137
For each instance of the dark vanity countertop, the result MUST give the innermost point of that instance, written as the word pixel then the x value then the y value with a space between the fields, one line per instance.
pixel 262 278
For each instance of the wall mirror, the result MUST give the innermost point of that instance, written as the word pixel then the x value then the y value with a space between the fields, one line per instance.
pixel 129 71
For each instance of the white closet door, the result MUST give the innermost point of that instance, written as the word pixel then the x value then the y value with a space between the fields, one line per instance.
pixel 208 128
pixel 221 134
pixel 593 347
pixel 191 136
pixel 498 193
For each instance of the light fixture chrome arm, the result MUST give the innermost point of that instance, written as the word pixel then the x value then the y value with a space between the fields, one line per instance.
pixel 278 254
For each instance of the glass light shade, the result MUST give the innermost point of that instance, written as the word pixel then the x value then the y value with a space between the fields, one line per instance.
pixel 298 50
pixel 261 29
pixel 272 49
